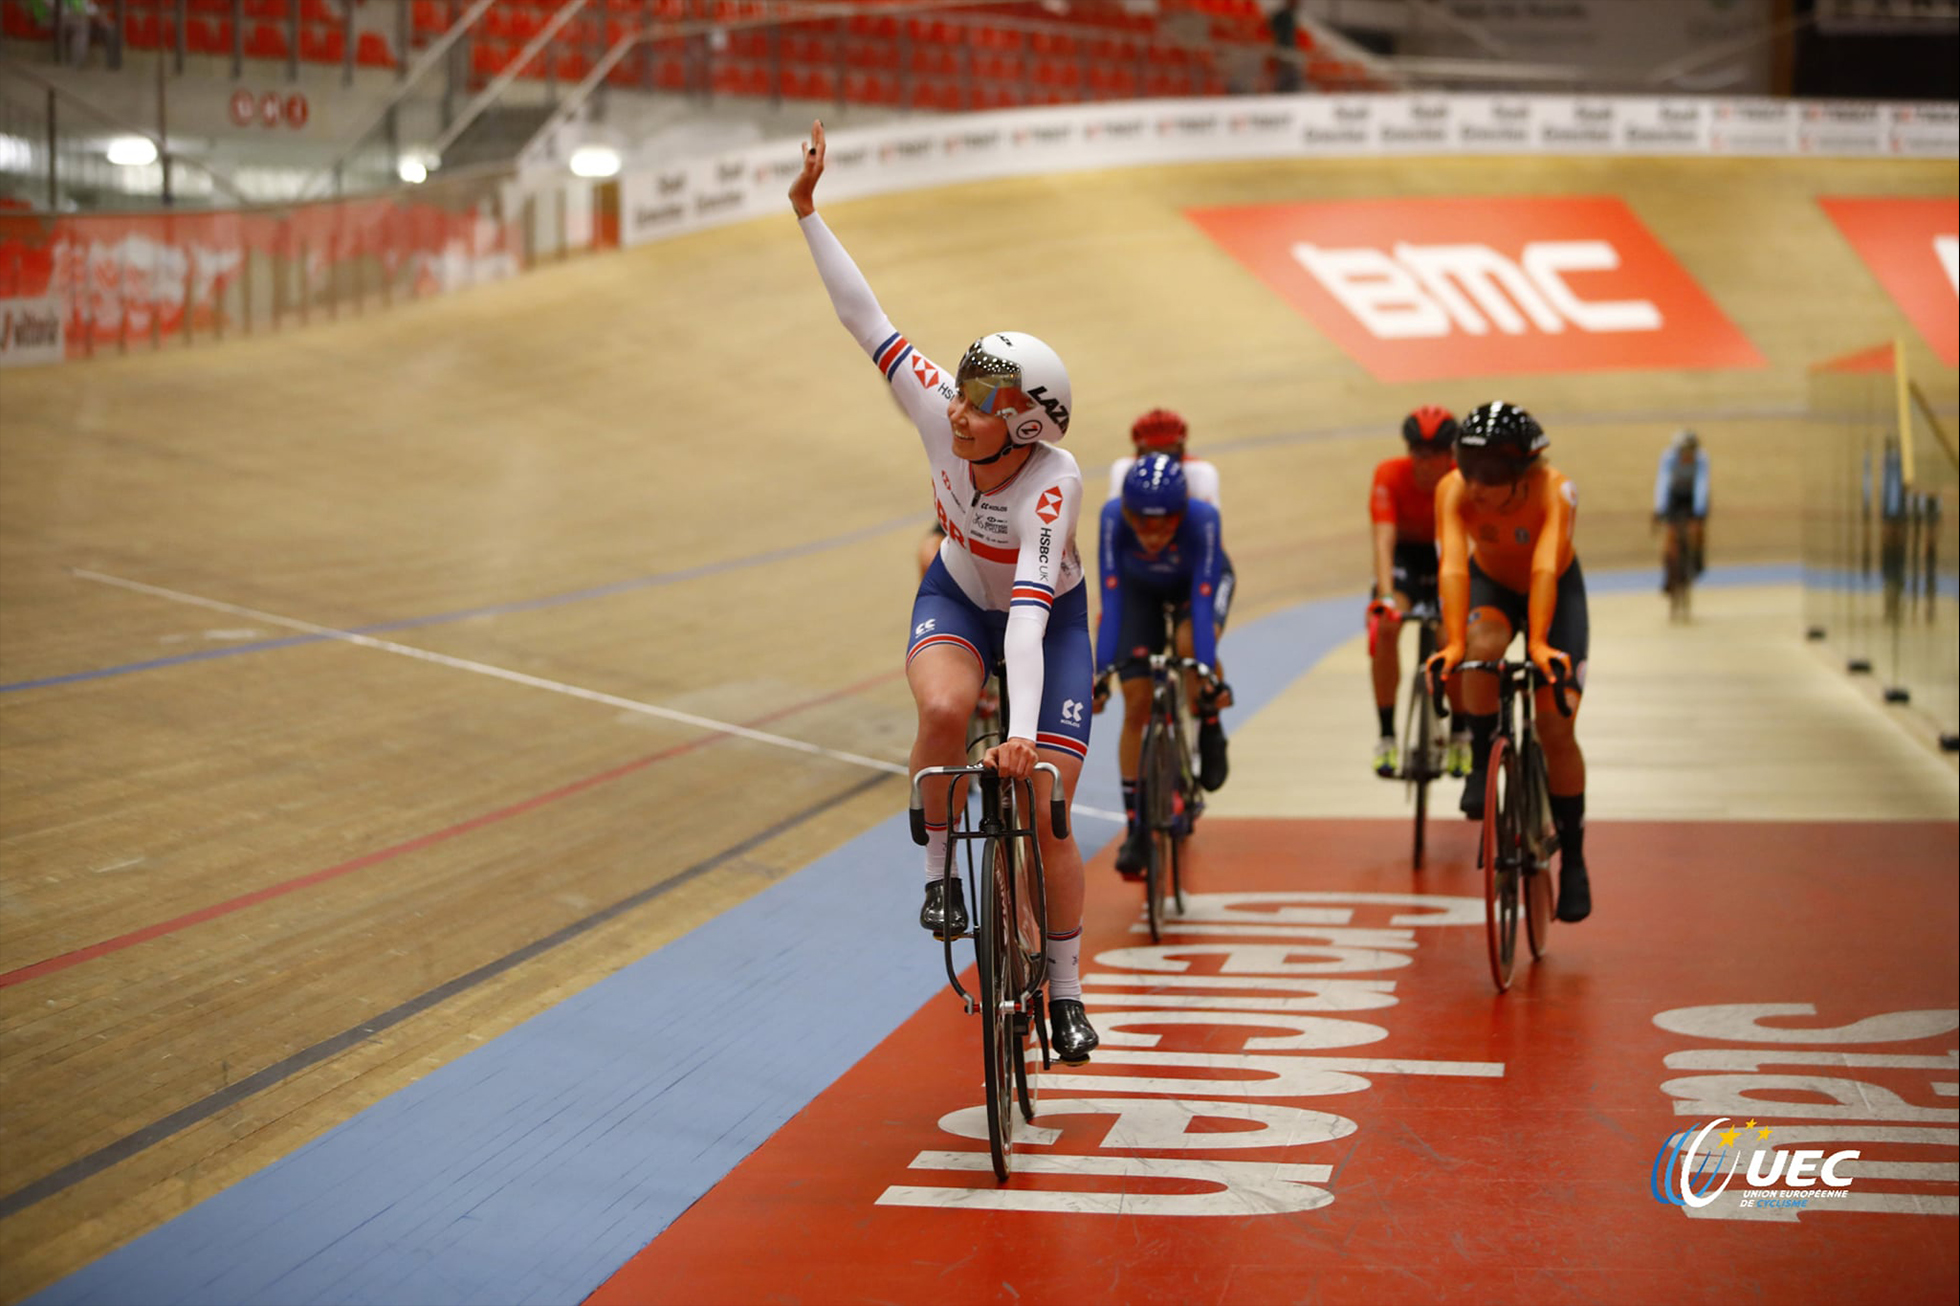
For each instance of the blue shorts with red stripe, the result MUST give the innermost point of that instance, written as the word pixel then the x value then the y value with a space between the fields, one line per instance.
pixel 942 614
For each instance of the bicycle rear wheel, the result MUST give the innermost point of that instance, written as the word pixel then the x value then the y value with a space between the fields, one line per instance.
pixel 1537 846
pixel 994 942
pixel 1503 854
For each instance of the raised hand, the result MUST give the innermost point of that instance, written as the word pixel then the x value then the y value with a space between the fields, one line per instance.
pixel 803 191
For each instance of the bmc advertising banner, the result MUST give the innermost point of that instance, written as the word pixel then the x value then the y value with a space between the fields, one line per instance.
pixel 1421 290
pixel 1912 247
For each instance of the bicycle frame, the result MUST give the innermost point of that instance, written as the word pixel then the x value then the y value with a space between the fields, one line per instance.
pixel 1160 814
pixel 1521 871
pixel 999 814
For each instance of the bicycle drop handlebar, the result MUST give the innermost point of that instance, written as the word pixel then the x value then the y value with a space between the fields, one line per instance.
pixel 1527 671
pixel 1057 803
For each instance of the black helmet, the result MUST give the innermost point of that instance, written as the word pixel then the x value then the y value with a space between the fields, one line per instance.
pixel 1498 442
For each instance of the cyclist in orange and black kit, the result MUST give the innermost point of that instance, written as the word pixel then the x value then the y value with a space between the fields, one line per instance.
pixel 1504 519
pixel 1402 506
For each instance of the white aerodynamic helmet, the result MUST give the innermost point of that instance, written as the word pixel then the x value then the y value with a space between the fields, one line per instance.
pixel 1020 380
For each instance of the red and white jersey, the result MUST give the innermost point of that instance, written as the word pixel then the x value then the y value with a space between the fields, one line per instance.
pixel 1013 546
pixel 1010 549
pixel 1200 475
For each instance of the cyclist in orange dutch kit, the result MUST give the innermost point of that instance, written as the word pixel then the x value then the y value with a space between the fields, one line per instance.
pixel 1505 518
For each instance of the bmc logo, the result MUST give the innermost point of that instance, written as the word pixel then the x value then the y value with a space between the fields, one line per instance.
pixel 1913 247
pixel 1419 290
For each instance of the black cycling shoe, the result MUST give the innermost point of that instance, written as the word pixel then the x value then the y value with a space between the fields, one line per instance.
pixel 1574 893
pixel 1212 764
pixel 1472 802
pixel 1069 1032
pixel 945 911
pixel 1134 855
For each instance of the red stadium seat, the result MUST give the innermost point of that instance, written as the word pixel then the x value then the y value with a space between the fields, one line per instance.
pixel 371 51
pixel 266 41
pixel 322 44
pixel 140 30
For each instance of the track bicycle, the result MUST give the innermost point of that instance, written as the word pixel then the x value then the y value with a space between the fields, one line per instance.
pixel 1010 930
pixel 1519 836
pixel 1424 740
pixel 1168 797
pixel 1679 567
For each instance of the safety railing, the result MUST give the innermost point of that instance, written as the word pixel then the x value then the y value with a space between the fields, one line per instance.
pixel 79 285
pixel 1881 537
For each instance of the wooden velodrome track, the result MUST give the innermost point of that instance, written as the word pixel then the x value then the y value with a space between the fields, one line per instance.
pixel 653 483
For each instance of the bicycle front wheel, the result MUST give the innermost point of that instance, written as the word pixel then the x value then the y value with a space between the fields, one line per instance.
pixel 1503 855
pixel 995 944
pixel 1153 810
pixel 1538 845
pixel 1418 737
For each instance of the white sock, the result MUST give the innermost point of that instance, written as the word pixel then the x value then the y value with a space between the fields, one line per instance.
pixel 1064 965
pixel 935 852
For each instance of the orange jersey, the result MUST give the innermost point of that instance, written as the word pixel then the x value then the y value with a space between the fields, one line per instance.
pixel 1530 535
pixel 1396 500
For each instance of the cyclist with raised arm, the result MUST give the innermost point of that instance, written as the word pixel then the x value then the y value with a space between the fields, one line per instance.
pixel 1505 520
pixel 1681 501
pixel 1165 576
pixel 1402 508
pixel 1006 587
pixel 1162 431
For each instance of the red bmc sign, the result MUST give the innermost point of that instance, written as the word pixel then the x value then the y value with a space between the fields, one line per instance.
pixel 1418 290
pixel 1912 246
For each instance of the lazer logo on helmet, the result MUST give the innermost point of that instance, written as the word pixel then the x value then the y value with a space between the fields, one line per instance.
pixel 1057 411
pixel 1430 289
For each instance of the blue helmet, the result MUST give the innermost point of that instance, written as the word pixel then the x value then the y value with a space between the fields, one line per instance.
pixel 1155 487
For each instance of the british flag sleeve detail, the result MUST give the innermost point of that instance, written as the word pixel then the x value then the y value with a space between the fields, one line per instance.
pixel 915 380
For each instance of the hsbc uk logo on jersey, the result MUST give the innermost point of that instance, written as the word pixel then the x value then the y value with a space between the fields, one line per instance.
pixel 1417 290
pixel 1049 506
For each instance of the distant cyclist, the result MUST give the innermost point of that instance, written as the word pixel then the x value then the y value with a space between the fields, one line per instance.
pixel 1006 587
pixel 1162 431
pixel 1505 519
pixel 1165 577
pixel 1402 506
pixel 1681 501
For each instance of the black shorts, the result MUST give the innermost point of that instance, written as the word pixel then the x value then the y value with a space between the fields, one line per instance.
pixel 1571 632
pixel 1681 507
pixel 1415 572
pixel 1150 615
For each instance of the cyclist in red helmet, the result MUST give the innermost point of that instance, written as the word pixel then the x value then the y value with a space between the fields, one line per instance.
pixel 1402 506
pixel 1162 431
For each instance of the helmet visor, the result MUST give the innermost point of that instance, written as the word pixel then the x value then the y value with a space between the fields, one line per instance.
pixel 990 384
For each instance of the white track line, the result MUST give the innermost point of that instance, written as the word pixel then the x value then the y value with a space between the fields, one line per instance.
pixel 520 678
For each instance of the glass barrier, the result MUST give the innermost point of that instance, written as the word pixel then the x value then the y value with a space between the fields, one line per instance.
pixel 121 282
pixel 1881 533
